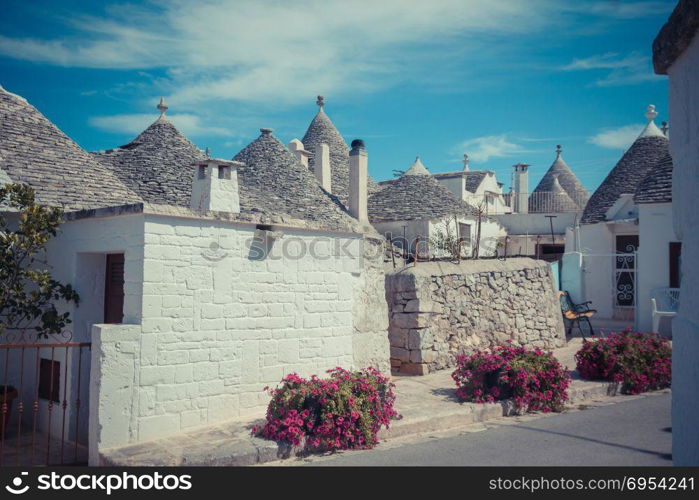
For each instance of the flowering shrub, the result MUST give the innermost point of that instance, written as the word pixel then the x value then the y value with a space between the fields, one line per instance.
pixel 638 361
pixel 344 411
pixel 534 380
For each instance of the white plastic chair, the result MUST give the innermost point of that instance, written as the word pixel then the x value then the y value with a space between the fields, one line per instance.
pixel 664 303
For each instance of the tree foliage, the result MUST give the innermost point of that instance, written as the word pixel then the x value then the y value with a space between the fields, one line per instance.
pixel 28 293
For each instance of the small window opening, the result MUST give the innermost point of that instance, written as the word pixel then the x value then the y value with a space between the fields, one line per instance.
pixel 224 172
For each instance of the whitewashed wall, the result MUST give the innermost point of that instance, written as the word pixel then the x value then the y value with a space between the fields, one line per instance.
pixel 455 184
pixel 526 229
pixel 655 234
pixel 77 256
pixel 491 231
pixel 220 321
pixel 684 147
pixel 593 269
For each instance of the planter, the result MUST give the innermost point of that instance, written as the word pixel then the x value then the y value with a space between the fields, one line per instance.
pixel 6 397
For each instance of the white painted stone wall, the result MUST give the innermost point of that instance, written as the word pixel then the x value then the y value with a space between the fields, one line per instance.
pixel 655 234
pixel 221 320
pixel 77 256
pixel 594 266
pixel 491 233
pixel 684 147
pixel 525 230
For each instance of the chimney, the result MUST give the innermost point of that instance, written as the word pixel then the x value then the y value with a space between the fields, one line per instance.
pixel 358 173
pixel 215 186
pixel 521 192
pixel 322 166
pixel 296 147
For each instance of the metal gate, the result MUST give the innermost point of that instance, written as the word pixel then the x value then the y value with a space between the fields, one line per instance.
pixel 625 280
pixel 43 417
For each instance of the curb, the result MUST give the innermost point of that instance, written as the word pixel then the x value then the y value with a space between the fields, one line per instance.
pixel 249 450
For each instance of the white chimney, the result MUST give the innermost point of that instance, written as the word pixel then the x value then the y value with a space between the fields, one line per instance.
pixel 358 177
pixel 322 166
pixel 296 147
pixel 521 192
pixel 215 186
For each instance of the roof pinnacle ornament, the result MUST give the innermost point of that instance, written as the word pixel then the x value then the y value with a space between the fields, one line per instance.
pixel 650 113
pixel 465 162
pixel 162 107
pixel 321 101
pixel 558 150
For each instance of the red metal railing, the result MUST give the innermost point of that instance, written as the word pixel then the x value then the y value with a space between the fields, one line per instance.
pixel 36 439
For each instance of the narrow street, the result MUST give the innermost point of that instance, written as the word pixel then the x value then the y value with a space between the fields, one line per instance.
pixel 633 433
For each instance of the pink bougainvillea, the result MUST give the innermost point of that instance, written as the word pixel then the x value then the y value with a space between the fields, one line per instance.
pixel 534 380
pixel 638 361
pixel 344 411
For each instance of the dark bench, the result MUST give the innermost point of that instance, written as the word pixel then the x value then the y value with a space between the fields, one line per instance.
pixel 576 313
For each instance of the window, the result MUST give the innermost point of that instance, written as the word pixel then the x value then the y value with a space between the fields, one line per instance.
pixel 202 172
pixel 114 289
pixel 224 172
pixel 49 379
pixel 465 233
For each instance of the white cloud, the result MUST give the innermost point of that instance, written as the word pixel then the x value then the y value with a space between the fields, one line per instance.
pixel 482 149
pixel 616 138
pixel 188 124
pixel 274 52
pixel 630 69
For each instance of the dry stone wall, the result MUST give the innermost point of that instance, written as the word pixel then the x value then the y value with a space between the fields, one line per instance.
pixel 440 310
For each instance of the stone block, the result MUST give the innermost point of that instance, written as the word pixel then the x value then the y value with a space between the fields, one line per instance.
pixel 410 320
pixel 153 375
pixel 400 354
pixel 414 369
pixel 398 337
pixel 422 356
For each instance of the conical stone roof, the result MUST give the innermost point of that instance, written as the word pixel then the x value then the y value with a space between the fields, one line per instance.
pixel 273 181
pixel 157 164
pixel 322 130
pixel 645 153
pixel 417 168
pixel 568 181
pixel 415 197
pixel 34 151
pixel 657 186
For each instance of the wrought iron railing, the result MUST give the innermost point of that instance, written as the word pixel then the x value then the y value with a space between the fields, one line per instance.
pixel 43 381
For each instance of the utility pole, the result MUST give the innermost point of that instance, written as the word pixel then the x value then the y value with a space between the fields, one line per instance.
pixel 550 218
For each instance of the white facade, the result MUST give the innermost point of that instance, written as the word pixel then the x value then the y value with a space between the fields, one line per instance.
pixel 488 194
pixel 684 147
pixel 406 233
pixel 589 269
pixel 655 234
pixel 528 230
pixel 214 310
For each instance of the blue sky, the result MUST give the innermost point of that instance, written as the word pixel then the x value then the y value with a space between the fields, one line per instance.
pixel 503 81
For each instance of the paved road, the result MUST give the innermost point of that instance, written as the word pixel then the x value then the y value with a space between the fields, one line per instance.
pixel 634 432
